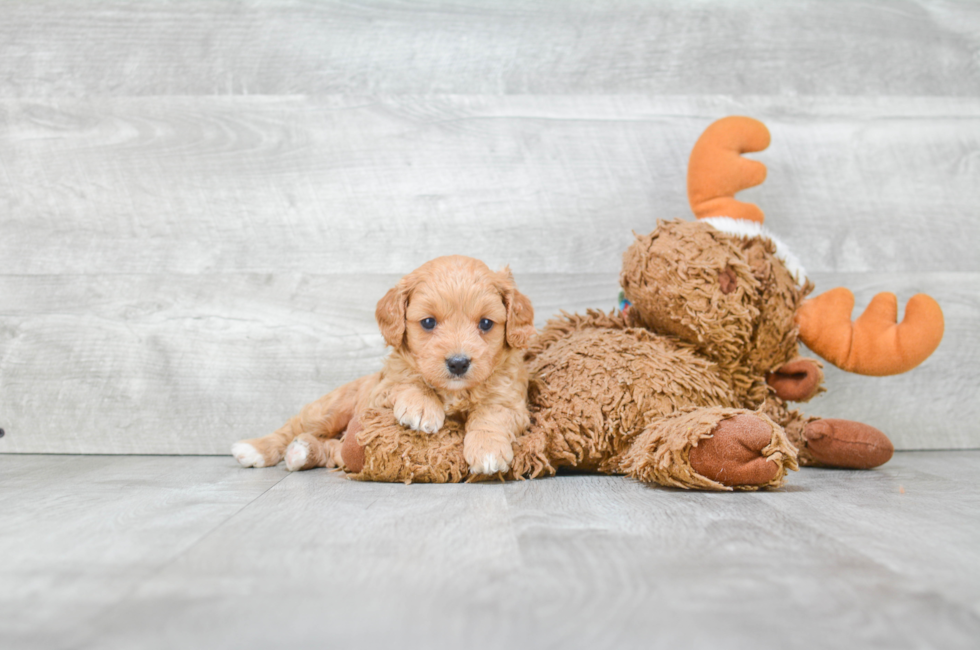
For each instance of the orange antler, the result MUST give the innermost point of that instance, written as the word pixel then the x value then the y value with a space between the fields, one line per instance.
pixel 874 344
pixel 717 170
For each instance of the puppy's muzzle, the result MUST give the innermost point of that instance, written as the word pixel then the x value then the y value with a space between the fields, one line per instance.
pixel 458 365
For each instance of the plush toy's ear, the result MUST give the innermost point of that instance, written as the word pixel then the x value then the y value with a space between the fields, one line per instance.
pixel 520 313
pixel 390 314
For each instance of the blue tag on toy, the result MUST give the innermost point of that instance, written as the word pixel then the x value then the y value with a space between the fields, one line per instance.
pixel 624 304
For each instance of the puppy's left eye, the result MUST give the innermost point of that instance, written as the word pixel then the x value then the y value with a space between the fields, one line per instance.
pixel 486 324
pixel 428 323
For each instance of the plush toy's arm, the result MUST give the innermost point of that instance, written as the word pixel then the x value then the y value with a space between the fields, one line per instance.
pixel 377 448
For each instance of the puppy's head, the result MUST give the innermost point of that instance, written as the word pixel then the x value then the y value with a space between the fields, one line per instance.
pixel 456 319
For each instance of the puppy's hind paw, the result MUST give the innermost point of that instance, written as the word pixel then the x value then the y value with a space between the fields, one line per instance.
pixel 297 455
pixel 247 455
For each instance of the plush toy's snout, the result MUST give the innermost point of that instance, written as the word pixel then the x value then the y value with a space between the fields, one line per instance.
pixel 797 381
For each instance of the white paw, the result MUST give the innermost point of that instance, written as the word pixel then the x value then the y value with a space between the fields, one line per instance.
pixel 426 416
pixel 489 464
pixel 487 452
pixel 247 455
pixel 296 455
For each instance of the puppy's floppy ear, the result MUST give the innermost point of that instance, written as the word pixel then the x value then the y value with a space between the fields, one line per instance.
pixel 520 313
pixel 390 314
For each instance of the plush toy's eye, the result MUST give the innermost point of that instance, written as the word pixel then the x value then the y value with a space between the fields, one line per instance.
pixel 428 323
pixel 728 280
pixel 486 324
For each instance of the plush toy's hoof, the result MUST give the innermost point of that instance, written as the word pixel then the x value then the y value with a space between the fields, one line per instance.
pixel 352 453
pixel 733 456
pixel 843 443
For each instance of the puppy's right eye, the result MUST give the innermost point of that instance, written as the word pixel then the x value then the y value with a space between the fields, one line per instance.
pixel 428 323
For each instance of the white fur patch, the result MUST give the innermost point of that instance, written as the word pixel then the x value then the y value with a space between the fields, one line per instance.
pixel 746 228
pixel 247 455
pixel 489 464
pixel 296 454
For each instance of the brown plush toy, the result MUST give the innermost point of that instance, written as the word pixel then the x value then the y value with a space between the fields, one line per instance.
pixel 688 386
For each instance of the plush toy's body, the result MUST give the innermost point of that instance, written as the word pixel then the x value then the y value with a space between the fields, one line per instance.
pixel 688 386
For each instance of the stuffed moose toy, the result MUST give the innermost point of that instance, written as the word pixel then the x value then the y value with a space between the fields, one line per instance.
pixel 688 385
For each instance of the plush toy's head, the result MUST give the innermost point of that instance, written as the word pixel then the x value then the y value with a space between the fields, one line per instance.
pixel 727 295
pixel 729 287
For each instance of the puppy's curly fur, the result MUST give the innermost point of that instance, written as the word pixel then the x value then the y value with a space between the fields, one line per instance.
pixel 458 330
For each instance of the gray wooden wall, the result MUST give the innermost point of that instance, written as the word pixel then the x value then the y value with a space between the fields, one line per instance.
pixel 200 203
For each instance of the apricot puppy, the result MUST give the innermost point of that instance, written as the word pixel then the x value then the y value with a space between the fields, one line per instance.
pixel 457 330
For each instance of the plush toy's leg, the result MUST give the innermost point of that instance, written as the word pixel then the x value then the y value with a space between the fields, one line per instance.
pixel 713 449
pixel 831 442
pixel 848 444
pixel 793 423
pixel 351 451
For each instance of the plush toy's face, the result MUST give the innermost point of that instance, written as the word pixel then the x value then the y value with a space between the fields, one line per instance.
pixel 729 296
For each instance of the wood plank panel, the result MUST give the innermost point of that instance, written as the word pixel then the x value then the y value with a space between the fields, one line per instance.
pixel 928 498
pixel 575 561
pixel 52 48
pixel 79 534
pixel 188 364
pixel 549 184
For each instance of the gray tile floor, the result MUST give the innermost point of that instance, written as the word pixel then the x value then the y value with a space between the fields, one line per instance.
pixel 194 552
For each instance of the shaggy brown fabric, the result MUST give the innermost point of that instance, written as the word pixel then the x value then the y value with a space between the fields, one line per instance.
pixel 671 277
pixel 794 424
pixel 661 454
pixel 393 453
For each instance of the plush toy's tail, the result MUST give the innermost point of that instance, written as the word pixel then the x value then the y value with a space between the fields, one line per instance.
pixel 717 169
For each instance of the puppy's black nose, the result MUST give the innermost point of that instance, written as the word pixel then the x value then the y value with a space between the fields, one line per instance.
pixel 458 364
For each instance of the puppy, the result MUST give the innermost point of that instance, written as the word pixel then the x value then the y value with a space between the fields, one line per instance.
pixel 458 331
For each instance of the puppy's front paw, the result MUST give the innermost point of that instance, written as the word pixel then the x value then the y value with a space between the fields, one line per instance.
pixel 420 413
pixel 487 452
